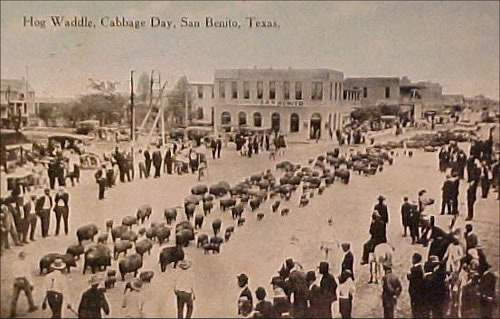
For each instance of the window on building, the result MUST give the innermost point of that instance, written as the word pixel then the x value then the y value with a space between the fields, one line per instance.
pixel 257 119
pixel 345 95
pixel 294 123
pixel 200 92
pixel 387 92
pixel 260 90
pixel 272 90
pixel 336 90
pixel 246 90
pixel 25 108
pixel 242 118
pixel 213 93
pixel 222 90
pixel 365 92
pixel 225 118
pixel 298 90
pixel 317 91
pixel 286 90
pixel 331 90
pixel 234 90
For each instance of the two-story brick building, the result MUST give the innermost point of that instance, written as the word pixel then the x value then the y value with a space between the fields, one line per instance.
pixel 16 98
pixel 203 100
pixel 298 102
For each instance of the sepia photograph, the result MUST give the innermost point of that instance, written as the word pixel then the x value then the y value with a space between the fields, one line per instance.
pixel 250 159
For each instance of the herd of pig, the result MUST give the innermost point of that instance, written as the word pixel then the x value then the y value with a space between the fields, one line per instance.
pixel 250 194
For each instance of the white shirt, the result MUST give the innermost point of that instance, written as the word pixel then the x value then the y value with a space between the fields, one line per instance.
pixel 133 302
pixel 21 268
pixel 46 204
pixel 346 288
pixel 55 281
pixel 184 281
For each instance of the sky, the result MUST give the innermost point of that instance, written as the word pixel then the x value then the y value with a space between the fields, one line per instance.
pixel 453 43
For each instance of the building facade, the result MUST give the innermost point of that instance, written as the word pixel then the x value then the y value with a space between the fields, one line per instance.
pixel 17 102
pixel 302 103
pixel 373 90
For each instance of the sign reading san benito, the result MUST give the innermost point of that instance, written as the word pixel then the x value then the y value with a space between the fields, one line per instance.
pixel 153 22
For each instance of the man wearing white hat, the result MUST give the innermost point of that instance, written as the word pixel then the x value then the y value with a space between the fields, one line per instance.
pixel 133 301
pixel 56 289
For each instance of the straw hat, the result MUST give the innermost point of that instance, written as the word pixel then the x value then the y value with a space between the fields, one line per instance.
pixel 94 280
pixel 58 264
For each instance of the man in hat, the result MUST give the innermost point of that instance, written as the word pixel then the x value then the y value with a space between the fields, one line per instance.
pixel 471 239
pixel 328 289
pixel 381 208
pixel 313 295
pixel 245 299
pixel 22 282
pixel 184 289
pixel 134 301
pixel 101 180
pixel 61 209
pixel 348 261
pixel 93 301
pixel 406 215
pixel 391 289
pixel 56 289
pixel 416 287
pixel 471 199
pixel 157 160
pixel 487 285
pixel 43 206
pixel 414 222
pixel 435 287
pixel 378 236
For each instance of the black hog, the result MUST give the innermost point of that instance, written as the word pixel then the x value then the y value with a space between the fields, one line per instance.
pixel 47 260
pixel 143 213
pixel 216 225
pixel 170 215
pixel 321 189
pixel 207 207
pixel 151 233
pixel 129 221
pixel 163 234
pixel 102 238
pixel 255 203
pixel 143 246
pixel 275 206
pixel 142 231
pixel 86 232
pixel 237 211
pixel 201 240
pixel 227 203
pixel 198 221
pixel 109 225
pixel 189 210
pixel 129 235
pixel 75 250
pixel 129 264
pixel 285 211
pixel 211 247
pixel 97 257
pixel 116 232
pixel 241 221
pixel 69 260
pixel 170 255
pixel 121 247
pixel 260 216
pixel 183 236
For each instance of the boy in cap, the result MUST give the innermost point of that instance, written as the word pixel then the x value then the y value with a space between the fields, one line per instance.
pixel 184 289
pixel 93 301
pixel 56 288
pixel 263 308
pixel 22 282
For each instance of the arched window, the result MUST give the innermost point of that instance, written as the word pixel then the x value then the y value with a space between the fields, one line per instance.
pixel 242 118
pixel 275 122
pixel 294 123
pixel 257 119
pixel 225 118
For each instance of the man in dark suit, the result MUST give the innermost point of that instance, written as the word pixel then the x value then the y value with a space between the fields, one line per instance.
pixel 446 197
pixel 168 161
pixel 157 160
pixel 381 208
pixel 147 162
pixel 328 289
pixel 391 289
pixel 219 146
pixel 93 301
pixel 415 215
pixel 455 193
pixel 348 261
pixel 471 199
pixel 406 215
pixel 471 239
pixel 416 288
pixel 61 209
pixel 43 208
pixel 245 299
pixel 487 292
pixel 101 180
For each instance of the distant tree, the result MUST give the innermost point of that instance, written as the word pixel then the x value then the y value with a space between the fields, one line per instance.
pixel 46 113
pixel 177 102
pixel 386 109
pixel 107 108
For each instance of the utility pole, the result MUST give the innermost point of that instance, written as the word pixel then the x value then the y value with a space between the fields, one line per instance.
pixel 186 120
pixel 132 110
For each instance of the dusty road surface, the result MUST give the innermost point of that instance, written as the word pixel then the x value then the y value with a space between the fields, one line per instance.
pixel 259 247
